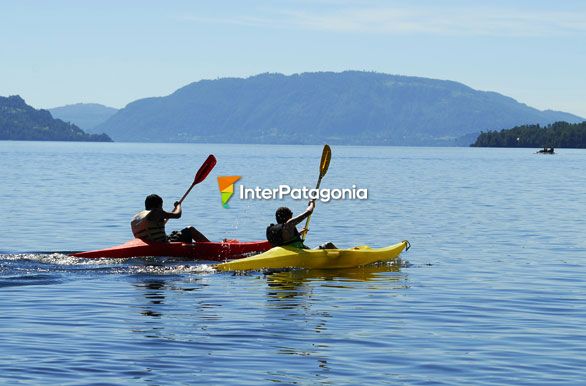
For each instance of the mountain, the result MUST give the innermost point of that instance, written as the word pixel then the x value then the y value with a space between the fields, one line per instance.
pixel 339 108
pixel 19 121
pixel 86 116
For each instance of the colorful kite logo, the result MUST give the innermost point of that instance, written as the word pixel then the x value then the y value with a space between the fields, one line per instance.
pixel 226 184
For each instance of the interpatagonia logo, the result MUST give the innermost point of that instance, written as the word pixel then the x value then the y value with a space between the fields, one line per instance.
pixel 226 184
pixel 303 193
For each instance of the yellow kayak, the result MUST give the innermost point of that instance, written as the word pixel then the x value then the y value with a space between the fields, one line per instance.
pixel 290 257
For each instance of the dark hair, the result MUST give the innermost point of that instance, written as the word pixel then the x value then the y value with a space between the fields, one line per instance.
pixel 153 201
pixel 283 214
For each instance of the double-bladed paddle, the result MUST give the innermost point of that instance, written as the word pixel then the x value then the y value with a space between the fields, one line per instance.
pixel 201 174
pixel 326 156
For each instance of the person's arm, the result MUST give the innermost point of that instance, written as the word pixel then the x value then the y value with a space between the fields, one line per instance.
pixel 296 220
pixel 162 215
pixel 176 213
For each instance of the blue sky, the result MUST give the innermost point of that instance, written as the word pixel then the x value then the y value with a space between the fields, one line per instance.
pixel 113 52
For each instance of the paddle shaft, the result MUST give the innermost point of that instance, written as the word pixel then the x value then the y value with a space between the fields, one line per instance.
pixel 324 164
pixel 186 193
pixel 309 217
pixel 183 198
pixel 201 175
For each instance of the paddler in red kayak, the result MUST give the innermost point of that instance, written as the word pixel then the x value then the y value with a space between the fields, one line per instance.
pixel 149 224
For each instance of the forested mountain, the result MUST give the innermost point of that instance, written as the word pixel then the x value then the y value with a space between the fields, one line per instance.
pixel 559 134
pixel 339 108
pixel 86 116
pixel 19 121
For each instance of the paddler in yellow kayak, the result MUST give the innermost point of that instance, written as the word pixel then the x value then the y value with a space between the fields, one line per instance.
pixel 285 233
pixel 149 224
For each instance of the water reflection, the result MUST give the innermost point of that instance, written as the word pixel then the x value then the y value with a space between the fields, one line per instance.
pixel 155 295
pixel 286 285
pixel 295 306
pixel 164 305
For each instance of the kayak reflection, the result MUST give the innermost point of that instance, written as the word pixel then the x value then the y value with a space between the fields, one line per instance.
pixel 291 284
pixel 352 274
pixel 295 304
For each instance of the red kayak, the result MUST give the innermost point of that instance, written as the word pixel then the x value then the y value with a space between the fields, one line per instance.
pixel 225 250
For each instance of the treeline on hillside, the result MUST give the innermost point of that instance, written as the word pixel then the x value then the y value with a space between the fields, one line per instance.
pixel 559 134
pixel 21 122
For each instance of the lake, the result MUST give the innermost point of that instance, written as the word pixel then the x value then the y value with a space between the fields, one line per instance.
pixel 492 291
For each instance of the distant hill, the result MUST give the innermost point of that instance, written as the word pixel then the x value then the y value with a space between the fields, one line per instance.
pixel 339 108
pixel 19 121
pixel 559 134
pixel 86 116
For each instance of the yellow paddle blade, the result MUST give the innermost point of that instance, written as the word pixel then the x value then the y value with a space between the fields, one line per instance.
pixel 326 156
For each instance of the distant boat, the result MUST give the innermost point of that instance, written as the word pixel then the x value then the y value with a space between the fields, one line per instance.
pixel 546 150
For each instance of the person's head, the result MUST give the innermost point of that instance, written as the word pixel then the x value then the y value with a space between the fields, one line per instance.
pixel 283 214
pixel 153 201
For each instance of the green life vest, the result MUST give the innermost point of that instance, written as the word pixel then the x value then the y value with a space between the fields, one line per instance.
pixel 275 236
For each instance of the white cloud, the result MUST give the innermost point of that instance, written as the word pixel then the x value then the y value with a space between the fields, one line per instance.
pixel 397 20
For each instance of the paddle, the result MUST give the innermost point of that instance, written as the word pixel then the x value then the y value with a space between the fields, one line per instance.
pixel 201 174
pixel 326 155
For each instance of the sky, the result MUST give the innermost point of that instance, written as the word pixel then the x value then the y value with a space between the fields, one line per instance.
pixel 58 52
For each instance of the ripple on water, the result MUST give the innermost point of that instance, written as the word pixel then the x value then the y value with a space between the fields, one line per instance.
pixel 493 292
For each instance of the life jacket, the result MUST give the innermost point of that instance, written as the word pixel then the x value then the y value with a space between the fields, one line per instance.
pixel 147 230
pixel 275 235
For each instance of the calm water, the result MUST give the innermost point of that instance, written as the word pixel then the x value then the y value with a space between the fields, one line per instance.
pixel 492 291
